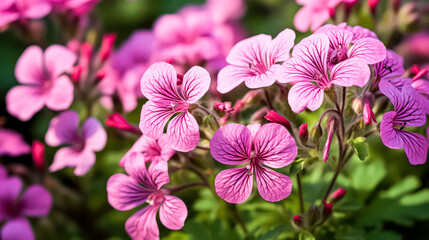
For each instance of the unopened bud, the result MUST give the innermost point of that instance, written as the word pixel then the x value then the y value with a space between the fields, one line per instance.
pixel 357 105
pixel 316 134
pixel 373 5
pixel 117 121
pixel 297 220
pixel 274 117
pixel 221 108
pixel 331 129
pixel 420 74
pixel 85 54
pixel 100 75
pixel 303 132
pixel 107 46
pixel 327 209
pixel 337 195
pixel 76 73
pixel 313 216
pixel 38 154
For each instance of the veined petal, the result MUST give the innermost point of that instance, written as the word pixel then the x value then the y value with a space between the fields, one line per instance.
pixel 338 38
pixel 69 157
pixel 274 146
pixel 36 201
pixel 305 95
pixel 142 224
pixel 262 79
pixel 29 67
pixel 135 166
pixel 254 128
pixel 278 49
pixel 272 186
pixel 158 172
pixel 313 50
pixel 63 129
pixel 173 212
pixel 230 77
pixel 296 70
pixel 183 132
pixel 231 144
pixel 369 50
pixel 196 83
pixel 159 83
pixel 350 72
pixel 234 185
pixel 125 193
pixel 388 134
pixel 415 146
pixel 150 148
pixel 154 117
pixel 249 51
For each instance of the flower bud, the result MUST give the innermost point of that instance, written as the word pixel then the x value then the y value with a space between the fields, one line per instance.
pixel 337 195
pixel 297 220
pixel 368 103
pixel 100 75
pixel 316 134
pixel 38 154
pixel 274 117
pixel 107 45
pixel 76 73
pixel 117 121
pixel 420 74
pixel 331 129
pixel 85 54
pixel 303 132
pixel 313 216
pixel 357 105
pixel 327 209
pixel 221 108
pixel 373 5
pixel 258 115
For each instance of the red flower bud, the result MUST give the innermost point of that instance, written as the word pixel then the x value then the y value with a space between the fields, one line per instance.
pixel 274 117
pixel 76 72
pixel 327 209
pixel 297 220
pixel 368 103
pixel 38 153
pixel 117 121
pixel 85 54
pixel 373 5
pixel 337 195
pixel 107 45
pixel 303 132
pixel 331 129
pixel 420 74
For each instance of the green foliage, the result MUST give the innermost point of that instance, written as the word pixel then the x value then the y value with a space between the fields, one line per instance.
pixel 359 147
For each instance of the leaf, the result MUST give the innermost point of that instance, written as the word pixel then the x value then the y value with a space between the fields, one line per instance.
pixel 300 164
pixel 359 146
pixel 366 177
pixel 306 236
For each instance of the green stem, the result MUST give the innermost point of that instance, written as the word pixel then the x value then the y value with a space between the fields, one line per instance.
pixel 301 198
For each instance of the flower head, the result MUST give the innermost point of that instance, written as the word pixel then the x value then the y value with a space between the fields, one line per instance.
pixel 308 69
pixel 83 142
pixel 12 10
pixel 43 81
pixel 254 61
pixel 269 145
pixel 408 112
pixel 142 185
pixel 167 98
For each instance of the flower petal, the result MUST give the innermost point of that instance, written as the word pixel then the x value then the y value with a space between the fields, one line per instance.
pixel 125 193
pixel 392 65
pixel 158 171
pixel 196 83
pixel 272 186
pixel 142 224
pixel 94 134
pixel 350 72
pixel 24 101
pixel 60 95
pixel 234 185
pixel 231 144
pixel 153 118
pixel 69 157
pixel 9 191
pixel 59 59
pixel 63 129
pixel 12 143
pixel 29 67
pixel 230 77
pixel 262 79
pixel 36 201
pixel 278 49
pixel 415 146
pixel 248 51
pixel 183 132
pixel 159 83
pixel 173 212
pixel 369 50
pixel 305 95
pixel 17 229
pixel 302 19
pixel 274 146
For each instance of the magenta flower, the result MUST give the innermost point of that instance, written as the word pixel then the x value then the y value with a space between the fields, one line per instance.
pixel 144 185
pixel 408 112
pixel 36 201
pixel 255 60
pixel 391 66
pixel 43 81
pixel 170 95
pixel 308 69
pixel 270 145
pixel 12 143
pixel 368 49
pixel 12 10
pixel 151 149
pixel 83 143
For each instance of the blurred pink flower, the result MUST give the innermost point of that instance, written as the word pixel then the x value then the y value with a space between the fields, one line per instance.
pixel 223 11
pixel 43 81
pixel 271 145
pixel 408 112
pixel 83 143
pixel 76 7
pixel 12 143
pixel 142 185
pixel 255 60
pixel 151 149
pixel 167 98
pixel 308 69
pixel 12 10
pixel 35 201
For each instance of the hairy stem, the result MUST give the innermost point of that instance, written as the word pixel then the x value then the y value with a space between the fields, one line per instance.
pixel 267 97
pixel 301 198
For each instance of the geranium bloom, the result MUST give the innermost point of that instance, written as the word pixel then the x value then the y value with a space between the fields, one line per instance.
pixel 144 185
pixel 64 130
pixel 408 112
pixel 169 95
pixel 254 61
pixel 12 10
pixel 308 68
pixel 36 201
pixel 12 143
pixel 76 7
pixel 358 31
pixel 43 81
pixel 391 66
pixel 369 50
pixel 271 145
pixel 151 149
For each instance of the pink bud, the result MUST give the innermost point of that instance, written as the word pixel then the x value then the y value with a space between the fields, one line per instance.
pixel 420 74
pixel 250 96
pixel 373 5
pixel 85 54
pixel 100 75
pixel 337 195
pixel 38 153
pixel 303 132
pixel 223 107
pixel 107 46
pixel 117 121
pixel 274 117
pixel 368 114
pixel 297 220
pixel 327 208
pixel 415 69
pixel 76 72
pixel 179 79
pixel 331 130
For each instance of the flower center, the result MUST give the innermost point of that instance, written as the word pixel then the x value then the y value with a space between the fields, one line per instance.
pixel 257 67
pixel 337 56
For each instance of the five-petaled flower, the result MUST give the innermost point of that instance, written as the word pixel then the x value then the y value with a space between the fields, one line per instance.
pixel 64 130
pixel 255 60
pixel 408 113
pixel 125 192
pixel 170 97
pixel 271 145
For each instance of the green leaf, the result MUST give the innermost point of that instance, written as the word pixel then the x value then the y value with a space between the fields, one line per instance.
pixel 306 236
pixel 359 146
pixel 297 166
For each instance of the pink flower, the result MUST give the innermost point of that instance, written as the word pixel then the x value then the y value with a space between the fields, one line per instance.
pixel 12 10
pixel 64 130
pixel 271 145
pixel 308 68
pixel 223 11
pixel 408 112
pixel 166 98
pixel 151 149
pixel 391 66
pixel 367 49
pixel 36 201
pixel 368 103
pixel 255 60
pixel 125 192
pixel 76 7
pixel 12 143
pixel 43 81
